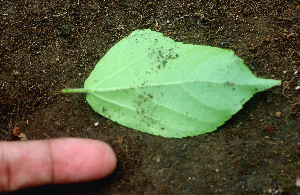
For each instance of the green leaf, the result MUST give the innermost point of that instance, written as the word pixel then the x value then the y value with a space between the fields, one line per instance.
pixel 152 84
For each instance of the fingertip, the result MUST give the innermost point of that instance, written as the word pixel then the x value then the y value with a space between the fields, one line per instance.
pixel 81 160
pixel 109 159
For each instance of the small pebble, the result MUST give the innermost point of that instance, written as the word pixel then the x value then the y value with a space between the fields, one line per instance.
pixel 278 114
pixel 184 147
pixel 298 182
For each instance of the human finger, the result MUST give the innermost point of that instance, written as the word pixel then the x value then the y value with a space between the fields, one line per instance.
pixel 26 164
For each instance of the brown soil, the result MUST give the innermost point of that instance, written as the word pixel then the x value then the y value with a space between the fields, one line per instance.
pixel 48 45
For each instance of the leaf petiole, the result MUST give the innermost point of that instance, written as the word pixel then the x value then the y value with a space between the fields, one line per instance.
pixel 76 90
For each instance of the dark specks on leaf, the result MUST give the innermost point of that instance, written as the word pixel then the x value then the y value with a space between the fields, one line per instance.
pixel 150 96
pixel 229 83
pixel 164 63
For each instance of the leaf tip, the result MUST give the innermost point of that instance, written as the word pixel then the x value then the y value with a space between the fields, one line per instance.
pixel 279 83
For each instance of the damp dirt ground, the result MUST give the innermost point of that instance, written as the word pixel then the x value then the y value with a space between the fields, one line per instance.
pixel 49 45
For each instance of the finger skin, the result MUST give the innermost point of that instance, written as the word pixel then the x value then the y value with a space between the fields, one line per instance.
pixel 26 164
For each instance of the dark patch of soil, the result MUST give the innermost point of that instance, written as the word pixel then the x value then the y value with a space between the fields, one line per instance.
pixel 48 45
